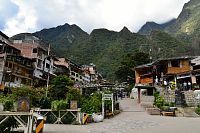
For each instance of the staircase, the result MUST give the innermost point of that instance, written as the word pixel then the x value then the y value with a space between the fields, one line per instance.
pixel 186 112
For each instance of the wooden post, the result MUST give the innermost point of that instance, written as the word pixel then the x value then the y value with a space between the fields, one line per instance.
pixel 112 104
pixel 103 105
pixel 139 90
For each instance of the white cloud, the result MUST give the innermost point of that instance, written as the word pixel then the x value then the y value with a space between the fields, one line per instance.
pixel 88 14
pixel 24 21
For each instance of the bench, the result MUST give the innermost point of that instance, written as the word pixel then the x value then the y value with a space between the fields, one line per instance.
pixel 167 113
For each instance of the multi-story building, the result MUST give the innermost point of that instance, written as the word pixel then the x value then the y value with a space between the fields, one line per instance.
pixel 90 74
pixel 195 74
pixel 43 63
pixel 170 69
pixel 75 72
pixel 14 68
pixel 62 66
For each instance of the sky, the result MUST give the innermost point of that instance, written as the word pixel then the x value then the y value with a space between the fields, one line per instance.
pixel 18 16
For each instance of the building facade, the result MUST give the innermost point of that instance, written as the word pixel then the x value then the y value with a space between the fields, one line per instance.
pixel 14 68
pixel 165 71
pixel 43 62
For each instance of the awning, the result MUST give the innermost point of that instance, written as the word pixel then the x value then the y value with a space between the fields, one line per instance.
pixel 144 87
pixel 182 76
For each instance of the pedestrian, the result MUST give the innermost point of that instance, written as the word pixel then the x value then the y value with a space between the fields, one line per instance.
pixel 189 85
pixel 165 84
pixel 121 94
pixel 184 86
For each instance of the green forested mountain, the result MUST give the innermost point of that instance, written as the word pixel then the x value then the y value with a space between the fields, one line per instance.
pixel 62 38
pixel 188 20
pixel 107 49
pixel 187 25
pixel 147 28
pixel 185 28
pixel 164 45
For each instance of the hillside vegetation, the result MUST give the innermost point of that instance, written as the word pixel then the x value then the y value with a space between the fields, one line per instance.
pixel 107 49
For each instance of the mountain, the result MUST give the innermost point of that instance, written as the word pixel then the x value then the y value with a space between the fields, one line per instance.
pixel 188 20
pixel 187 25
pixel 107 49
pixel 164 45
pixel 147 28
pixel 185 28
pixel 62 38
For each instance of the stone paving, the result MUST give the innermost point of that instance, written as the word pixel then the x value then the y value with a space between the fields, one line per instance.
pixel 133 119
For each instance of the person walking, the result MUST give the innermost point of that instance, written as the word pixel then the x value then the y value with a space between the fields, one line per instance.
pixel 189 85
pixel 184 86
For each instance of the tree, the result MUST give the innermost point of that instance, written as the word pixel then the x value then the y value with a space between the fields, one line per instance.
pixel 60 86
pixel 140 58
pixel 125 71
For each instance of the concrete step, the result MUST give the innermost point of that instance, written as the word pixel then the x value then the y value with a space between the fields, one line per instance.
pixel 188 112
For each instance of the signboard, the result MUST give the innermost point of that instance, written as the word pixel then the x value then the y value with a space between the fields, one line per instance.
pixel 73 104
pixel 107 96
pixel 23 105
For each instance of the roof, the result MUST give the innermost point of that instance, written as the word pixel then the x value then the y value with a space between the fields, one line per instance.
pixel 177 58
pixel 196 61
pixel 4 35
pixel 61 62
pixel 144 87
pixel 145 65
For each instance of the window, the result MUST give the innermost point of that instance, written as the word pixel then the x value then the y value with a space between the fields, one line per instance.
pixel 39 64
pixel 175 63
pixel 7 64
pixel 35 50
pixel 72 73
pixel 29 63
pixel 76 75
pixel 47 65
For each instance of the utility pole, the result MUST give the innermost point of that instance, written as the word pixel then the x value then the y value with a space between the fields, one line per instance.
pixel 48 70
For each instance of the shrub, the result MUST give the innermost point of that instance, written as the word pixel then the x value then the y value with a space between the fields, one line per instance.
pixel 60 87
pixel 198 110
pixel 59 105
pixel 33 94
pixel 45 103
pixel 7 102
pixel 92 104
pixel 159 102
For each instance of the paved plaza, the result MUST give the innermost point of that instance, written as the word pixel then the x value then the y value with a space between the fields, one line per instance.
pixel 133 119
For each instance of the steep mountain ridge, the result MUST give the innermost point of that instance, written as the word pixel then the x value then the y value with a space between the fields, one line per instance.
pixel 147 28
pixel 107 48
